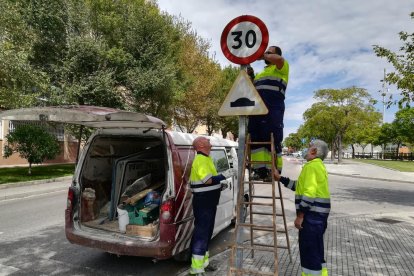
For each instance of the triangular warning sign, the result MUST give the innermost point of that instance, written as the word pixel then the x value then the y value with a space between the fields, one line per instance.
pixel 243 99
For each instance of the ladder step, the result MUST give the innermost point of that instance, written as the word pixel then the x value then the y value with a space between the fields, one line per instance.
pixel 267 229
pixel 257 203
pixel 257 182
pixel 268 197
pixel 259 162
pixel 260 143
pixel 254 248
pixel 266 214
pixel 251 271
pixel 271 245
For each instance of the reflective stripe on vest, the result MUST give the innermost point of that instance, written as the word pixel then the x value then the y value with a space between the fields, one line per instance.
pixel 202 170
pixel 272 79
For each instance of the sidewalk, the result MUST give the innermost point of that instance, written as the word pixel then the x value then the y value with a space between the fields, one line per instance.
pixel 363 245
pixel 357 169
pixel 355 245
pixel 24 189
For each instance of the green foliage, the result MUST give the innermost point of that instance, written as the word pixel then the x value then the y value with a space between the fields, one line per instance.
pixel 339 116
pixel 293 141
pixel 404 124
pixel 33 143
pixel 403 63
pixel 19 174
pixel 122 54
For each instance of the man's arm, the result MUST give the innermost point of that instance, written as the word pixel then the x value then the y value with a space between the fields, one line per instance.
pixel 275 59
pixel 290 184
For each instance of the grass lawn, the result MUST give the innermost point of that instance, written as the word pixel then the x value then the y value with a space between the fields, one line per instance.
pixel 19 174
pixel 402 166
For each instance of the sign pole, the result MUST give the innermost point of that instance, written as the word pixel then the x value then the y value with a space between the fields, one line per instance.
pixel 240 158
pixel 243 40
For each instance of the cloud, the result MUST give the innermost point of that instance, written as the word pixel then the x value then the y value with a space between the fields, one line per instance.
pixel 328 43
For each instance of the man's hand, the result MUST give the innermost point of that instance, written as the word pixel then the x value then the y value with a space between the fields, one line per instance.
pixel 299 221
pixel 276 174
pixel 224 184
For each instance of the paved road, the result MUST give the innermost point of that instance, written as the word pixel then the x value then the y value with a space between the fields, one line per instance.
pixel 32 237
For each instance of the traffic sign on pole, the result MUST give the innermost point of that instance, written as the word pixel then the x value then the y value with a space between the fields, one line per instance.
pixel 244 39
pixel 243 99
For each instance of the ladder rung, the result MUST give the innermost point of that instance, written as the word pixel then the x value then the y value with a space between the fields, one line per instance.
pixel 257 182
pixel 271 245
pixel 259 162
pixel 253 248
pixel 267 229
pixel 255 226
pixel 259 143
pixel 268 197
pixel 257 203
pixel 264 245
pixel 266 214
pixel 252 271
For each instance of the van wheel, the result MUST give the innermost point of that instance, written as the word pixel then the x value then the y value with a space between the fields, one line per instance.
pixel 184 256
pixel 244 211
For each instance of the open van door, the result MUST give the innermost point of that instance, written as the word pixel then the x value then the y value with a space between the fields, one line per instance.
pixel 90 116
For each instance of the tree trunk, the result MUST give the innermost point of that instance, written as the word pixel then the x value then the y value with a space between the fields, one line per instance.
pixel 339 149
pixel 30 168
pixel 353 151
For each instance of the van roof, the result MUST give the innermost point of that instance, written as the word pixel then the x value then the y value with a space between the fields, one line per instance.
pixel 91 116
pixel 186 139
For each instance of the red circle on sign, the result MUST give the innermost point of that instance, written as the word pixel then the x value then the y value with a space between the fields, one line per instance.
pixel 262 48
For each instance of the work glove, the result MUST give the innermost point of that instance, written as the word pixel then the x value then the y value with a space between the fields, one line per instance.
pixel 224 184
pixel 229 173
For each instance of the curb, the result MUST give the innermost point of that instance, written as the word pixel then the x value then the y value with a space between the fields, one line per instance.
pixel 34 182
pixel 372 178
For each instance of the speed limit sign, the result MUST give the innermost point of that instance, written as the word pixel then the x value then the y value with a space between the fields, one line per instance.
pixel 244 39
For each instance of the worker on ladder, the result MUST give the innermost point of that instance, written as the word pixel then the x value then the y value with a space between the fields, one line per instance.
pixel 313 204
pixel 271 84
pixel 206 186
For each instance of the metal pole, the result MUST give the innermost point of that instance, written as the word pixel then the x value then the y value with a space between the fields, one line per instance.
pixel 240 156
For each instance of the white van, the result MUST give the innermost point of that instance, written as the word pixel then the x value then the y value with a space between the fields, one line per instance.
pixel 132 165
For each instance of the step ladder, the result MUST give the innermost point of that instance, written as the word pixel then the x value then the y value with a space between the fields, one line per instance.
pixel 252 204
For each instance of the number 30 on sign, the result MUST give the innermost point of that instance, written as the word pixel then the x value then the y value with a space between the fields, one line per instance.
pixel 244 39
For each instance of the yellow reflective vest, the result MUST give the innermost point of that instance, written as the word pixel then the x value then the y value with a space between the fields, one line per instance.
pixel 202 170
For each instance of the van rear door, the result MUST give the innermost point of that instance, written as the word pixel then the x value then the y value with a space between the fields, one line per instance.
pixel 90 116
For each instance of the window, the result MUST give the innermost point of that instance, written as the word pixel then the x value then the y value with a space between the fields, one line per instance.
pixel 220 160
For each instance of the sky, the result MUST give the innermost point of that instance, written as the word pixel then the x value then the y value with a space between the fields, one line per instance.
pixel 328 44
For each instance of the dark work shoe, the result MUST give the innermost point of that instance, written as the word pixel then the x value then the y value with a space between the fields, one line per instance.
pixel 210 267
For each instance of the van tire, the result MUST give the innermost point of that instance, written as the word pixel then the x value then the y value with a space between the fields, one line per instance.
pixel 183 257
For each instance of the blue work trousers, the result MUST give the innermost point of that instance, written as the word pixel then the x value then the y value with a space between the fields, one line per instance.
pixel 204 209
pixel 311 246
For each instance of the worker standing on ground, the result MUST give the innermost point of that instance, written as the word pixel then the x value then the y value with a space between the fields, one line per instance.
pixel 312 200
pixel 206 186
pixel 271 84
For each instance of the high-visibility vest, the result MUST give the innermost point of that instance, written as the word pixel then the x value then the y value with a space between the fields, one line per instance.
pixel 202 170
pixel 312 190
pixel 272 79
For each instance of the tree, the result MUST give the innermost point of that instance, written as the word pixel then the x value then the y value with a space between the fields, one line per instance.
pixel 403 64
pixel 33 143
pixel 335 114
pixel 293 141
pixel 404 122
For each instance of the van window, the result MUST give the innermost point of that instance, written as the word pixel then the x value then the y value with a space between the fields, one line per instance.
pixel 220 160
